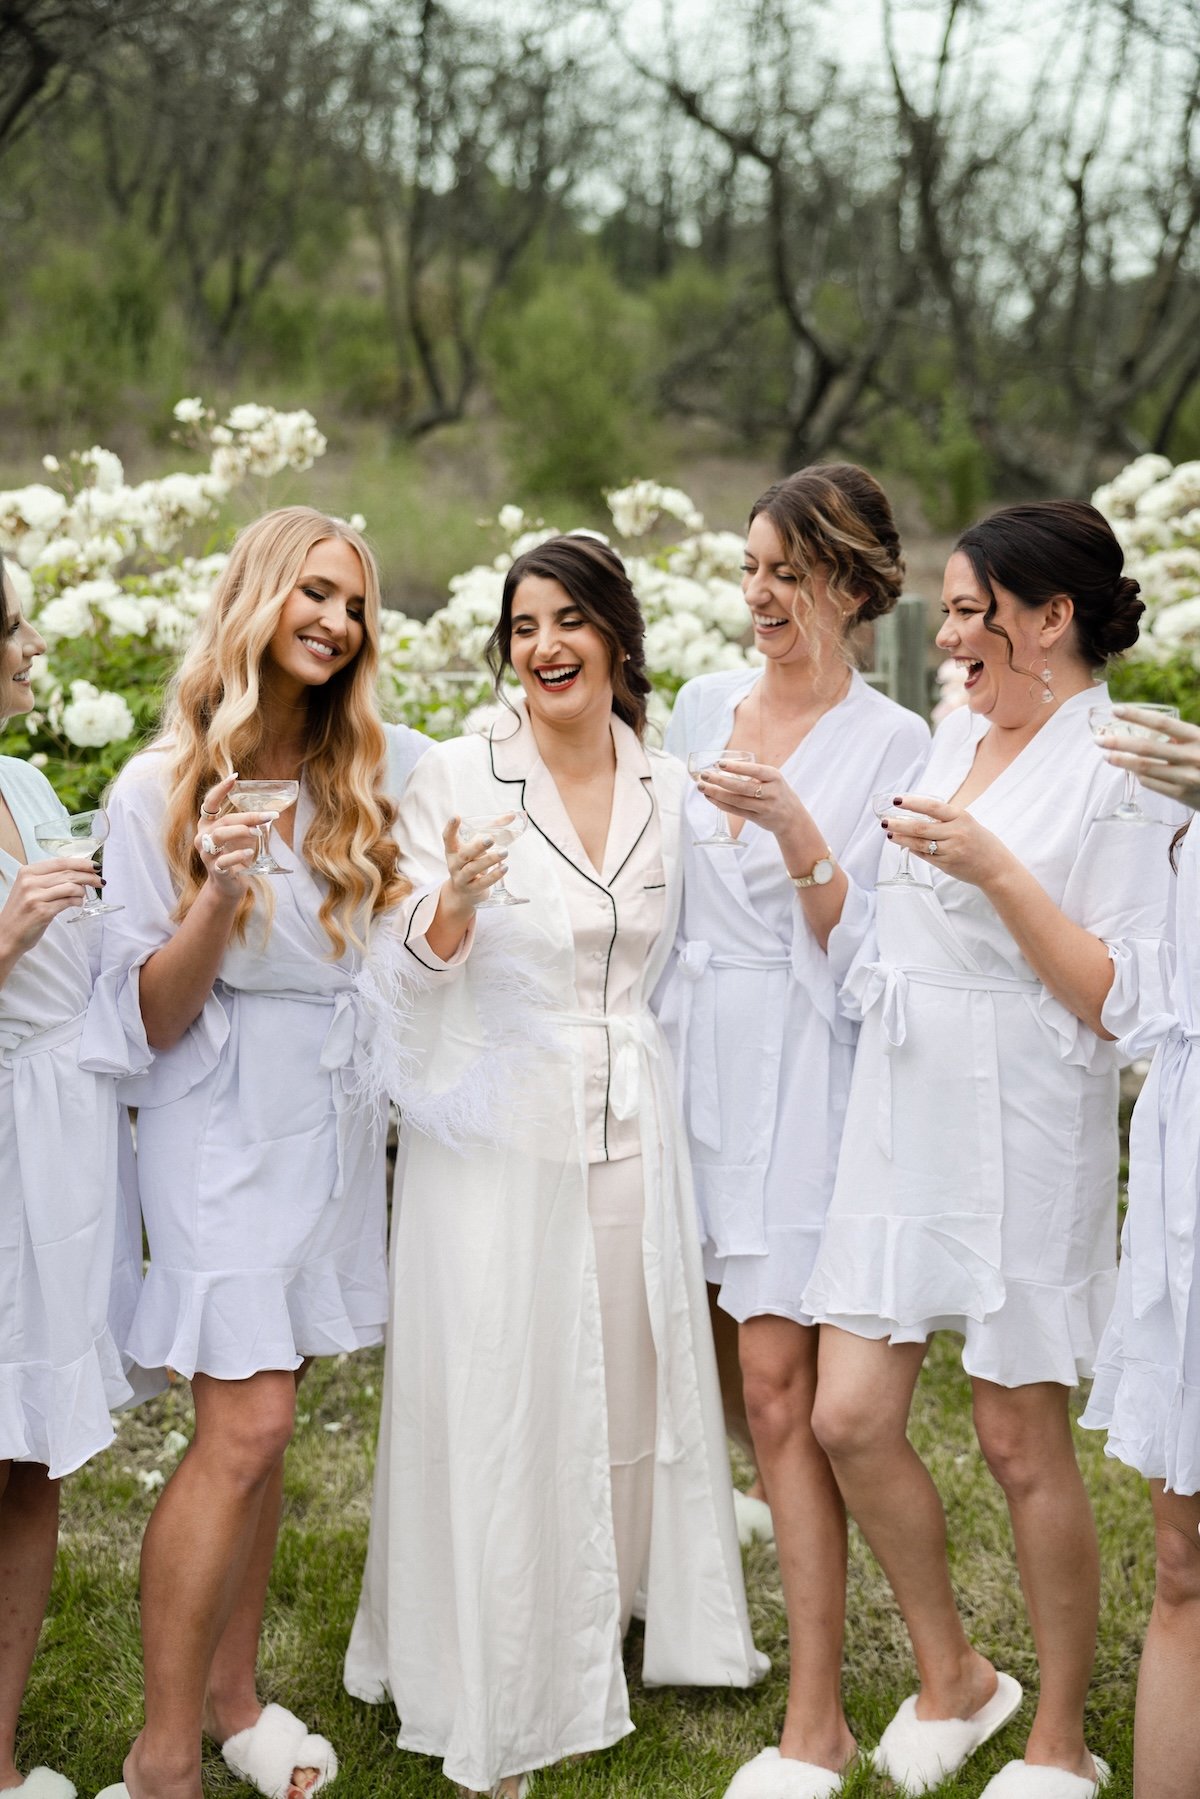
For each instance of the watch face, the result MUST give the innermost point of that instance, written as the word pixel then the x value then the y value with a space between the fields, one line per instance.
pixel 822 873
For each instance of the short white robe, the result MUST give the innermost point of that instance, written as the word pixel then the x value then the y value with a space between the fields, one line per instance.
pixel 261 1167
pixel 490 1607
pixel 750 1001
pixel 70 1242
pixel 1147 1387
pixel 976 1189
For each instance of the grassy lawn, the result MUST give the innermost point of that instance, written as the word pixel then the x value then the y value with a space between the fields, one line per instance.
pixel 84 1700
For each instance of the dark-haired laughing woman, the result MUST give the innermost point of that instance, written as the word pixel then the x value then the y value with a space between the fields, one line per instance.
pixel 976 1189
pixel 552 1434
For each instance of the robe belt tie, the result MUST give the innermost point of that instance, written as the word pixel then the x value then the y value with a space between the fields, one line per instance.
pixel 629 1034
pixel 886 982
pixel 1162 1207
pixel 343 1053
pixel 51 1038
pixel 698 1031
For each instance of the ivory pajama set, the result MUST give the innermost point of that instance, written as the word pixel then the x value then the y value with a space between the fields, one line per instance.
pixel 551 1433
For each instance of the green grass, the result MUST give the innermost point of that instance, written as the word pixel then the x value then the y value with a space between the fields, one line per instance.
pixel 84 1702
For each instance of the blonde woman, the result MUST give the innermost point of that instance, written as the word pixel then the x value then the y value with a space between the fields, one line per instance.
pixel 262 1176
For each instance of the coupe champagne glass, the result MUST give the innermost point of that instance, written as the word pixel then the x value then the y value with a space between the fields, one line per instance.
pixel 698 763
pixel 503 828
pixel 1104 723
pixel 883 805
pixel 264 796
pixel 77 834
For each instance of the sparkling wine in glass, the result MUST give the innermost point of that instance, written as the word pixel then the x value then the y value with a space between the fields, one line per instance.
pixel 883 805
pixel 264 796
pixel 503 828
pixel 77 834
pixel 698 763
pixel 1104 723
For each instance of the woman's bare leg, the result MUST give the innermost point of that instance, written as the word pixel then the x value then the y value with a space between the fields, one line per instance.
pixel 198 1547
pixel 864 1394
pixel 779 1368
pixel 1025 1436
pixel 1166 1730
pixel 28 1541
pixel 231 1701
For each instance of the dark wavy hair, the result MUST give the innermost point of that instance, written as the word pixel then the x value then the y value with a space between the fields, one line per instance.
pixel 1053 547
pixel 594 577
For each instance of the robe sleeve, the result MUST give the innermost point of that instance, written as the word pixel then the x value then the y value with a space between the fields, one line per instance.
pixel 900 757
pixel 429 802
pixel 1120 890
pixel 675 739
pixel 405 747
pixel 138 880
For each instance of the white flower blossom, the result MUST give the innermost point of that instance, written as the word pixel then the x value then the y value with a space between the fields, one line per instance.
pixel 93 719
pixel 511 520
pixel 190 412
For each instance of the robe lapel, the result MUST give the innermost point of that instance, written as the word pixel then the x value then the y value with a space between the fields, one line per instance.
pixel 633 801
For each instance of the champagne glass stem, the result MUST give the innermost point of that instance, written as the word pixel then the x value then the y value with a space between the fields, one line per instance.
pixel 264 842
pixel 91 901
pixel 904 872
pixel 1129 802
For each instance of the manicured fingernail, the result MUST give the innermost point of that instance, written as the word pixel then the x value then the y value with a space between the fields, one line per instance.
pixel 897 801
pixel 890 838
pixel 883 824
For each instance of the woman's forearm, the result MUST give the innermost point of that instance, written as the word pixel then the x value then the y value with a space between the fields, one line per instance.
pixel 802 846
pixel 1071 963
pixel 449 924
pixel 177 979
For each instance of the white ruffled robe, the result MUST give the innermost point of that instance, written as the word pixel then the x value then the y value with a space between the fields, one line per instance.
pixel 490 1607
pixel 1147 1388
pixel 750 1000
pixel 260 1164
pixel 70 1239
pixel 976 1189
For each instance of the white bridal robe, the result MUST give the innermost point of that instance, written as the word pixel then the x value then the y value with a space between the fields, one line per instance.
pixel 491 1603
pixel 70 1241
pixel 750 1000
pixel 976 1189
pixel 1147 1388
pixel 261 1164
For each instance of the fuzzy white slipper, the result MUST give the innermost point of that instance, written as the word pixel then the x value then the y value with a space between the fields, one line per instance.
pixel 44 1783
pixel 753 1518
pixel 919 1753
pixel 1025 1780
pixel 266 1754
pixel 774 1776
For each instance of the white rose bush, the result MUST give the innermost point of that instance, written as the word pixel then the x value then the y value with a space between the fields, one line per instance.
pixel 1154 509
pixel 115 576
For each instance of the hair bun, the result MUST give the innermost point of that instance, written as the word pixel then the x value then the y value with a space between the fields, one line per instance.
pixel 1117 630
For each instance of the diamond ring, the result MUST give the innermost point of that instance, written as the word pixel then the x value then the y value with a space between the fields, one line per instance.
pixel 931 847
pixel 208 843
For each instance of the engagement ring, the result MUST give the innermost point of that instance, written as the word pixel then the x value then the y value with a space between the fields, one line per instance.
pixel 208 842
pixel 931 847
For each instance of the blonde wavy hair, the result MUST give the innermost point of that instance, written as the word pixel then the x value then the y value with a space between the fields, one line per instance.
pixel 213 724
pixel 834 519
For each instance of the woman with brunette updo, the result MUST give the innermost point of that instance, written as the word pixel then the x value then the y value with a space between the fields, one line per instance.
pixel 766 931
pixel 976 1190
pixel 552 1436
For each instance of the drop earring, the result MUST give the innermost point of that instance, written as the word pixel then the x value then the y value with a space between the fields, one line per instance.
pixel 1046 678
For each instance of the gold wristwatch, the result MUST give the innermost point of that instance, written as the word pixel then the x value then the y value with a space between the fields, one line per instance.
pixel 820 875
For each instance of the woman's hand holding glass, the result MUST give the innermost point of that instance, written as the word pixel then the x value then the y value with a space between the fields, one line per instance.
pixel 949 838
pixel 474 866
pixel 754 791
pixel 227 843
pixel 40 891
pixel 1170 766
